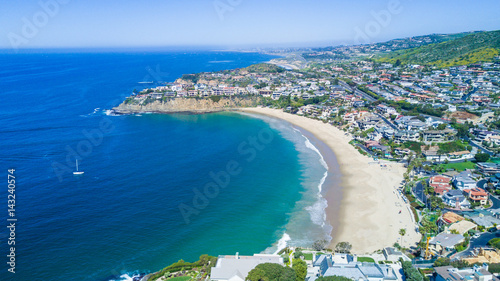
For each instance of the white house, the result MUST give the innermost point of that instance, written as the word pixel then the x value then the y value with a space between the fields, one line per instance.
pixel 236 268
pixel 348 266
pixel 464 181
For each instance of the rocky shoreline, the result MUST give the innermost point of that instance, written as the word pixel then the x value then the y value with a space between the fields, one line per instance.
pixel 186 105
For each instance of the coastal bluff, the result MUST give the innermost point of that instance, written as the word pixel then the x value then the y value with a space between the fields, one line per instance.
pixel 188 105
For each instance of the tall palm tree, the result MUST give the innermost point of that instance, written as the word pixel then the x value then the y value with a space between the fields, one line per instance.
pixel 402 232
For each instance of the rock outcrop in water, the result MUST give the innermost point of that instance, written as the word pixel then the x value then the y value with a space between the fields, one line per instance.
pixel 191 105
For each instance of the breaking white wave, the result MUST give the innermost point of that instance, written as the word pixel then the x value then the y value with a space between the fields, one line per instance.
pixel 307 223
pixel 312 147
pixel 96 110
pixel 110 112
pixel 317 212
pixel 282 243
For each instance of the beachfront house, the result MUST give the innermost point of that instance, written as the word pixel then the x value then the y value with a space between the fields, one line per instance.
pixel 347 266
pixel 392 254
pixel 236 268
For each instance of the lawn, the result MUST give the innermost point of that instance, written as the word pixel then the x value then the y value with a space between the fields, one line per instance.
pixel 308 256
pixel 180 278
pixel 365 259
pixel 459 166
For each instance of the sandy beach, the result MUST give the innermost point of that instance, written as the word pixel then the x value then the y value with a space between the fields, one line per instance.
pixel 369 214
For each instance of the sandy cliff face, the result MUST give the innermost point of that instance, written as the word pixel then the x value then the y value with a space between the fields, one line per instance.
pixel 187 105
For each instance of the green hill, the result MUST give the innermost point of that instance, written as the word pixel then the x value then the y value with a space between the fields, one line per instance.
pixel 477 47
pixel 264 68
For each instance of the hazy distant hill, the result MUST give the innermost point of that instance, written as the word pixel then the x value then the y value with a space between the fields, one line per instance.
pixel 405 43
pixel 476 47
pixel 347 52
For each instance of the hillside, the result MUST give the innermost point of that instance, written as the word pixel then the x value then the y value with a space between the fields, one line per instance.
pixel 405 43
pixel 191 105
pixel 264 68
pixel 473 48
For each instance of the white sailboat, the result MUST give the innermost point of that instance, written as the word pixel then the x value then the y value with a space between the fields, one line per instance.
pixel 77 172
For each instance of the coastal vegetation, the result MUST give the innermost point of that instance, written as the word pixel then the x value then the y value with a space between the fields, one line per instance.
pixel 187 270
pixel 410 272
pixel 300 268
pixel 473 48
pixel 444 261
pixel 264 68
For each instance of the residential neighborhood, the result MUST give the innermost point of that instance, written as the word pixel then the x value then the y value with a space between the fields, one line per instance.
pixel 443 124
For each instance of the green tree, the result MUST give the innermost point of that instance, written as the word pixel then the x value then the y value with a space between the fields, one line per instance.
pixel 300 268
pixel 410 272
pixel 257 274
pixel 402 232
pixel 442 261
pixel 343 247
pixel 482 157
pixel 495 242
pixel 271 272
pixel 319 245
pixel 288 274
pixel 297 254
pixel 441 126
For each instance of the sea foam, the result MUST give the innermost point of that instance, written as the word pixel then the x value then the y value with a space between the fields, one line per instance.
pixel 282 243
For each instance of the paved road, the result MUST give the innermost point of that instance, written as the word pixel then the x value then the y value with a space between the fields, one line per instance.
pixel 481 241
pixel 495 201
pixel 418 191
pixel 388 122
pixel 466 96
pixel 364 95
pixel 477 145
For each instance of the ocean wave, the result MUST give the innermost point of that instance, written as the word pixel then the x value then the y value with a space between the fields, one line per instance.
pixel 308 222
pixel 96 110
pixel 317 212
pixel 282 243
pixel 312 147
pixel 127 277
pixel 110 112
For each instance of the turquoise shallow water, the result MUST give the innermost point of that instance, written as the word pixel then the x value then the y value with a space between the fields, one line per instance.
pixel 125 213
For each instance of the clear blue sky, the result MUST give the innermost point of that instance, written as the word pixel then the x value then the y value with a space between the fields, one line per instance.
pixel 234 23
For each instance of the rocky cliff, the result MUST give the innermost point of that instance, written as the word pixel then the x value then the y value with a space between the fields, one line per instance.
pixel 192 105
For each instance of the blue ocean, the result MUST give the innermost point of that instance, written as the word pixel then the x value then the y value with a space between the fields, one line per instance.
pixel 155 188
